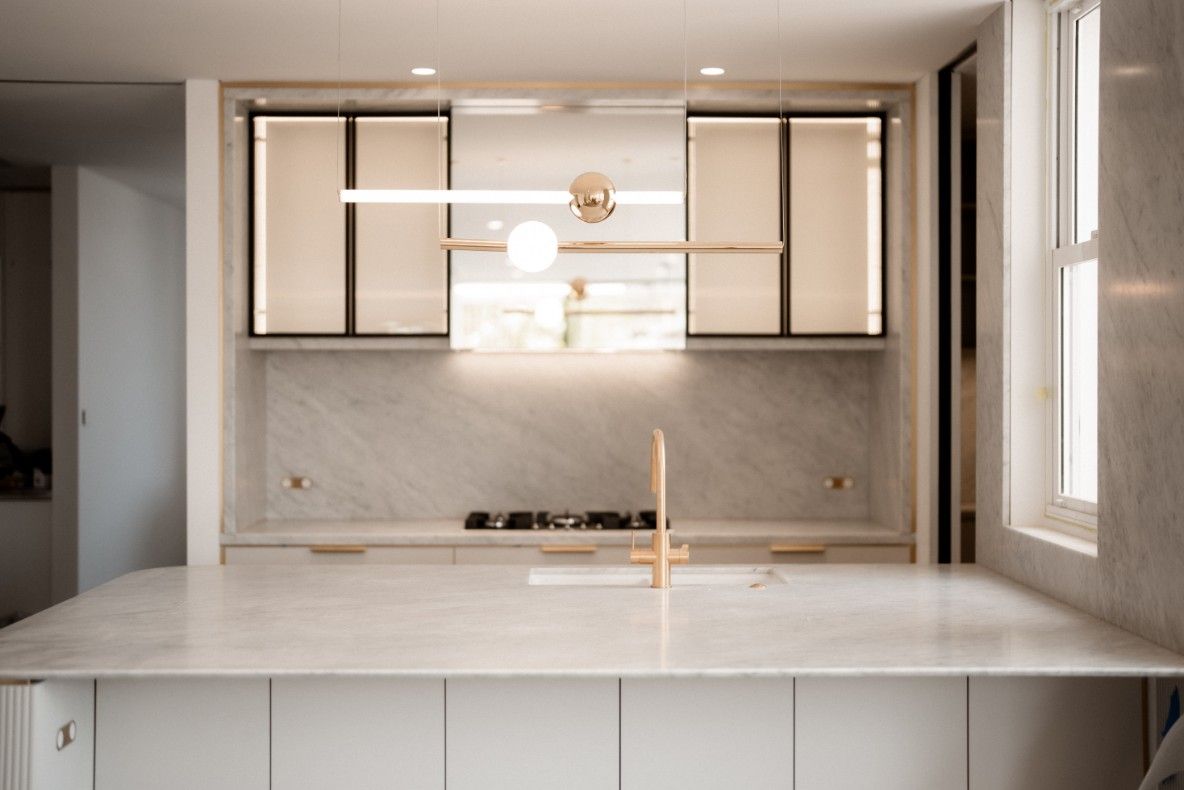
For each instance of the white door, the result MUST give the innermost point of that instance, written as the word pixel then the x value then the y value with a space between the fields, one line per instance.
pixel 360 733
pixel 882 733
pixel 707 733
pixel 1055 733
pixel 519 734
pixel 182 734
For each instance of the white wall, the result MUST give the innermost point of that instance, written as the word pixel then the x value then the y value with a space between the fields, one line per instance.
pixel 131 352
pixel 203 318
pixel 118 358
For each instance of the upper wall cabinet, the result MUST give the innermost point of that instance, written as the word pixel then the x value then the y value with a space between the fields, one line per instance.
pixel 835 251
pixel 323 267
pixel 298 282
pixel 734 184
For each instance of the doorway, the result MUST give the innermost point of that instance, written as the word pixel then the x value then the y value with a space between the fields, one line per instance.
pixel 957 98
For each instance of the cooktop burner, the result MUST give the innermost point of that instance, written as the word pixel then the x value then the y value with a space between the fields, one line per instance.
pixel 543 519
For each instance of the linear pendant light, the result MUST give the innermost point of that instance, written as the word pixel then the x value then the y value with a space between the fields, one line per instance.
pixel 520 197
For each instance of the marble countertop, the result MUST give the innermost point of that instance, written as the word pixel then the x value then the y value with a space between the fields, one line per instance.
pixel 469 621
pixel 452 533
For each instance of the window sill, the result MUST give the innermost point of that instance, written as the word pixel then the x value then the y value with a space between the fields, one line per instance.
pixel 1060 539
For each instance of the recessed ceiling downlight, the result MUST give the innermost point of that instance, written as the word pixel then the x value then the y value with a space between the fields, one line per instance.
pixel 423 71
pixel 711 71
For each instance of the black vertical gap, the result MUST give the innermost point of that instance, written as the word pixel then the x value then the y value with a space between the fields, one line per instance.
pixel 448 225
pixel 620 738
pixel 351 216
pixel 445 733
pixel 686 226
pixel 968 732
pixel 251 123
pixel 270 728
pixel 945 295
pixel 794 708
pixel 94 728
pixel 884 222
pixel 787 201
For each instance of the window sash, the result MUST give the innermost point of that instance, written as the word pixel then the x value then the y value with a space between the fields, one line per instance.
pixel 1073 515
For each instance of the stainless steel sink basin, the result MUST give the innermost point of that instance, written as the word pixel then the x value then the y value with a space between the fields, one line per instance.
pixel 639 576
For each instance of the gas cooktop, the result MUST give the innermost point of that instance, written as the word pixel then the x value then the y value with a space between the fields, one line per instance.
pixel 543 519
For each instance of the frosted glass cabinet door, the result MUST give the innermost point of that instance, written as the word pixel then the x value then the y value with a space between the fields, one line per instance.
pixel 835 215
pixel 734 183
pixel 401 273
pixel 299 226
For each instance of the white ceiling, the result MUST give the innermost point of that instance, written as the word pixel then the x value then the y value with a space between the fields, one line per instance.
pixel 849 40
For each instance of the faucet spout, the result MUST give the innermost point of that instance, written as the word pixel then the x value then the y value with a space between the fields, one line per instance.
pixel 660 555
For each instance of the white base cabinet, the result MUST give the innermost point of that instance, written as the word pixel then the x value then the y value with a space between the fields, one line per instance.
pixel 634 734
pixel 883 733
pixel 188 734
pixel 360 733
pixel 517 734
pixel 707 732
pixel 1039 733
pixel 47 735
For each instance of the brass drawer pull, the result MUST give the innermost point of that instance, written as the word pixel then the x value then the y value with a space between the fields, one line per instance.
pixel 568 549
pixel 788 548
pixel 337 549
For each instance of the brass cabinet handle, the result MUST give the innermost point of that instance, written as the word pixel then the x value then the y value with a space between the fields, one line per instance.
pixel 337 549
pixel 790 548
pixel 564 548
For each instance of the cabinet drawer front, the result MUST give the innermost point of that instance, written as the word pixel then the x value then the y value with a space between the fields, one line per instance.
pixel 547 554
pixel 339 555
pixel 787 553
pixel 752 555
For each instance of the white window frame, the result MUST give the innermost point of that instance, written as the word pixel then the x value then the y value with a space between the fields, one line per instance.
pixel 1074 516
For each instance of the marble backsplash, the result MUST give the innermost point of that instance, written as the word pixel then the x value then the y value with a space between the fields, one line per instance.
pixel 750 435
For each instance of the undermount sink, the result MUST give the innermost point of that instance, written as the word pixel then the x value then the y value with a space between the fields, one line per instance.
pixel 640 576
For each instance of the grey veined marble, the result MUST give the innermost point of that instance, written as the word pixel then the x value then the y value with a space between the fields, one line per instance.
pixel 487 621
pixel 749 435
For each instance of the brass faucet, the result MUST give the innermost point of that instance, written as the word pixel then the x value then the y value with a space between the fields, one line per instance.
pixel 660 555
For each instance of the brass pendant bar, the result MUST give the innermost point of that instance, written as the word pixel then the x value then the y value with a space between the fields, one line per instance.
pixel 483 245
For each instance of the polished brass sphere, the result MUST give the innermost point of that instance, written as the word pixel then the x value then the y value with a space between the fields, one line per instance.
pixel 593 197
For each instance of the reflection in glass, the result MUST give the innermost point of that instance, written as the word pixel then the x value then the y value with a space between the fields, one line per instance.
pixel 582 301
pixel 1079 382
pixel 1085 176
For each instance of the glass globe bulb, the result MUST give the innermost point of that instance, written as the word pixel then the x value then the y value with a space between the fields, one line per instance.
pixel 532 246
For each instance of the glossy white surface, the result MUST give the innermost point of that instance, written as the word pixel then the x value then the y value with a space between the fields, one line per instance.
pixel 486 621
pixel 442 532
pixel 642 576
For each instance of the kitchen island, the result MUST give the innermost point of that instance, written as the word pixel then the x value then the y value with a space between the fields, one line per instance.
pixel 406 676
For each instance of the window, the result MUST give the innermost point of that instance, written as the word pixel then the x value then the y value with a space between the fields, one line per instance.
pixel 1074 264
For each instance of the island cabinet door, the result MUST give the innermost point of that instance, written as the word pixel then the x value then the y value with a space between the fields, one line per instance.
pixel 707 733
pixel 533 734
pixel 47 734
pixel 189 734
pixel 1055 733
pixel 357 733
pixel 883 733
